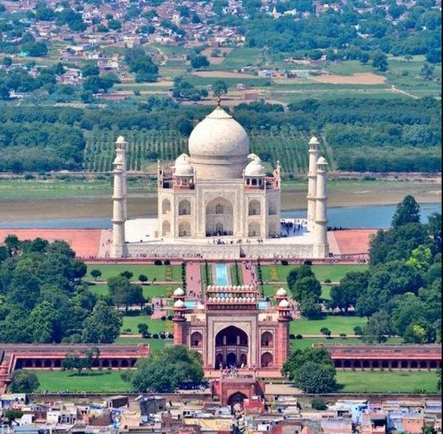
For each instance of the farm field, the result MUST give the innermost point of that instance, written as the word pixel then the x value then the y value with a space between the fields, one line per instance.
pixel 387 382
pixel 335 323
pixel 158 272
pixel 89 381
pixel 154 325
pixel 287 145
pixel 333 272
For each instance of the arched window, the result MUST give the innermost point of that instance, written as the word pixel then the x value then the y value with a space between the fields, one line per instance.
pixel 166 206
pixel 184 229
pixel 266 360
pixel 219 209
pixel 254 207
pixel 254 229
pixel 184 207
pixel 267 339
pixel 196 339
pixel 166 228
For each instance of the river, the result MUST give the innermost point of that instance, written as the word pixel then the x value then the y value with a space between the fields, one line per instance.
pixel 374 216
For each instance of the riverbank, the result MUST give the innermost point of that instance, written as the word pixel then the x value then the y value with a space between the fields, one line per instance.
pixel 24 200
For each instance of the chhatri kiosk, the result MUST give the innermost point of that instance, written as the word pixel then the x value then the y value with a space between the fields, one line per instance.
pixel 219 202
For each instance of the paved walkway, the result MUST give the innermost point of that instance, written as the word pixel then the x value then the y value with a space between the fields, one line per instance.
pixel 193 280
pixel 248 272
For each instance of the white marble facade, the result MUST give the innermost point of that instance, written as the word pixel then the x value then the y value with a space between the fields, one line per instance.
pixel 219 190
pixel 220 202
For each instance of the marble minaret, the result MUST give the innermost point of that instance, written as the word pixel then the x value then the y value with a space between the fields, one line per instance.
pixel 119 216
pixel 321 247
pixel 312 181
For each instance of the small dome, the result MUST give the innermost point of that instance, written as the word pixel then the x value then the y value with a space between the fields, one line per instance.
pixel 284 303
pixel 182 167
pixel 121 140
pixel 255 168
pixel 179 292
pixel 322 161
pixel 281 292
pixel 313 141
pixel 254 157
pixel 179 304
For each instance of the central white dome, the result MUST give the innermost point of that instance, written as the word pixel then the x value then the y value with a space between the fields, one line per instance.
pixel 218 135
pixel 218 147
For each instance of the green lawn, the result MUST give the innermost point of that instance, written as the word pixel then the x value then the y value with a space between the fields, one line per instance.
pixel 335 323
pixel 333 272
pixel 149 291
pixel 99 289
pixel 154 325
pixel 89 381
pixel 307 342
pixel 157 291
pixel 385 381
pixel 158 272
pixel 326 292
pixel 154 344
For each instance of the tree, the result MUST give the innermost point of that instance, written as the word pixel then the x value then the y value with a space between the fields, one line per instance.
pixel 143 329
pixel 199 62
pixel 142 278
pixel 7 61
pixel 12 414
pixel 90 70
pixel 326 332
pixel 378 327
pixel 380 62
pixel 219 88
pixel 311 369
pixel 95 273
pixel 358 330
pixel 163 372
pixel 351 286
pixel 408 211
pixel 127 274
pixel 427 71
pixel 80 360
pixel 319 404
pixel 103 325
pixel 24 382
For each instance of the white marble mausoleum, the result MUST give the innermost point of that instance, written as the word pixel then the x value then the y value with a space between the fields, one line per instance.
pixel 219 202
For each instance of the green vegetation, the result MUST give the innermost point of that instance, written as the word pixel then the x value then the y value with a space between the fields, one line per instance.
pixel 157 272
pixel 406 133
pixel 130 323
pixel 308 342
pixel 91 381
pixel 164 371
pixel 311 370
pixel 336 323
pixel 333 272
pixel 387 382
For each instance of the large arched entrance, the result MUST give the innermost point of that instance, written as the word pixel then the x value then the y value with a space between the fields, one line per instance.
pixel 235 401
pixel 219 218
pixel 231 348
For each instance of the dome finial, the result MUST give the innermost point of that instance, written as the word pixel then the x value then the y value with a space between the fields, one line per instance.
pixel 218 100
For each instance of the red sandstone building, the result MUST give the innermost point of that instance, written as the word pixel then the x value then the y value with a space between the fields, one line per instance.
pixel 234 329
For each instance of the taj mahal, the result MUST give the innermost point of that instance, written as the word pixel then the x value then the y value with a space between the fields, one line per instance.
pixel 219 202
